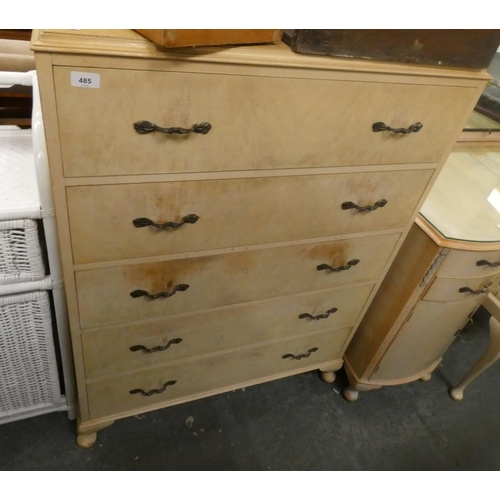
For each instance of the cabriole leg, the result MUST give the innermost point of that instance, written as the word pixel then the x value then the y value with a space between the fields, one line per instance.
pixel 489 357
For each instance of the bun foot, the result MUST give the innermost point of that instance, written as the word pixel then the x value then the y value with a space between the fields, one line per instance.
pixel 426 378
pixel 350 394
pixel 328 377
pixel 86 441
pixel 87 433
pixel 457 394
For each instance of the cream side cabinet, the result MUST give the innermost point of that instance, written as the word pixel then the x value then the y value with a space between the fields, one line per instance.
pixel 446 268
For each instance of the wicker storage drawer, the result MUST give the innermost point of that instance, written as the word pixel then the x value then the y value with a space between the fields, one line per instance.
pixel 29 378
pixel 20 252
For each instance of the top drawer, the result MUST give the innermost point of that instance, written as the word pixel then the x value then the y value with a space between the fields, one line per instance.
pixel 467 263
pixel 256 122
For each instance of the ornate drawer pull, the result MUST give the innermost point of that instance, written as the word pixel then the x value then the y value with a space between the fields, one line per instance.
pixel 153 391
pixel 135 348
pixel 142 293
pixel 319 316
pixel 300 356
pixel 488 263
pixel 381 126
pixel 368 208
pixel 188 219
pixel 466 289
pixel 323 267
pixel 145 127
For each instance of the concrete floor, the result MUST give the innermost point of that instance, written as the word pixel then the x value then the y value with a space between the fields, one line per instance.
pixel 298 423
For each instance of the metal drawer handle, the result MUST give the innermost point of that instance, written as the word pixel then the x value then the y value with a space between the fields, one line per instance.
pixel 135 348
pixel 319 316
pixel 145 127
pixel 143 222
pixel 153 391
pixel 368 208
pixel 381 126
pixel 323 267
pixel 466 289
pixel 300 356
pixel 488 263
pixel 142 293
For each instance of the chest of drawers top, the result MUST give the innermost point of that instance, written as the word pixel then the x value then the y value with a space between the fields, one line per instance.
pixel 122 43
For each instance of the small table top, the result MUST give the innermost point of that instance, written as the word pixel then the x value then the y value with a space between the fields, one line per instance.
pixel 464 203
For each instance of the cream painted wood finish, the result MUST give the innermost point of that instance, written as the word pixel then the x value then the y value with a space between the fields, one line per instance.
pixel 423 339
pixel 271 122
pixel 433 286
pixel 448 289
pixel 235 212
pixel 218 280
pixel 291 139
pixel 107 352
pixel 426 310
pixel 465 263
pixel 212 373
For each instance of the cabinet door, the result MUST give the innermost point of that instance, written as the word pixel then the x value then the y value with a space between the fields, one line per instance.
pixel 423 339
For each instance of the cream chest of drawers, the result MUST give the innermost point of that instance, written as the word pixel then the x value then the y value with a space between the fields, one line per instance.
pixel 226 216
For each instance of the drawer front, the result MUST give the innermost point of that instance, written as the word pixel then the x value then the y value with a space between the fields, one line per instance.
pixel 104 295
pixel 139 346
pixel 423 339
pixel 234 212
pixel 256 122
pixel 459 289
pixel 195 378
pixel 466 263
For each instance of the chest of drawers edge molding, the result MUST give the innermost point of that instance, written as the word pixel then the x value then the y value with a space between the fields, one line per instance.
pixel 44 61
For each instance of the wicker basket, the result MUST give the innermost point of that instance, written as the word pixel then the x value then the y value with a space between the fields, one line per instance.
pixel 29 380
pixel 20 252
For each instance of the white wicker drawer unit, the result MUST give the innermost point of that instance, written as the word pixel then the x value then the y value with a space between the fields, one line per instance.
pixel 31 382
pixel 216 209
